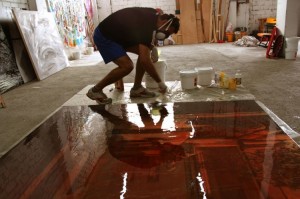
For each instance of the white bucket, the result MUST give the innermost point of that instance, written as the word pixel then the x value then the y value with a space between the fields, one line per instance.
pixel 160 68
pixel 89 50
pixel 290 54
pixel 188 79
pixel 205 75
pixel 292 43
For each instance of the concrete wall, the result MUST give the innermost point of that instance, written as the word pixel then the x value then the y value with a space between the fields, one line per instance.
pixel 106 7
pixel 288 20
pixel 260 9
pixel 14 4
pixel 257 9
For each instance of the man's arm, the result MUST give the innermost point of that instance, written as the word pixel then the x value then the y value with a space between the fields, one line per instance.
pixel 146 62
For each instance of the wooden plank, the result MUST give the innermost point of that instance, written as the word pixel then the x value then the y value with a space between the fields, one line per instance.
pixel 200 27
pixel 188 22
pixel 206 6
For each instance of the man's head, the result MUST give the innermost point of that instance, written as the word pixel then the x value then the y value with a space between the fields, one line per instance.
pixel 167 24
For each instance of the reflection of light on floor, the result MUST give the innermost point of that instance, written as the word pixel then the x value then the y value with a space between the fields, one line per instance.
pixel 124 185
pixel 169 124
pixel 201 182
pixel 192 133
pixel 134 116
pixel 217 150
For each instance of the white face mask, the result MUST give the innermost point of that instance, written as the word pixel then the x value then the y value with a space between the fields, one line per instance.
pixel 161 35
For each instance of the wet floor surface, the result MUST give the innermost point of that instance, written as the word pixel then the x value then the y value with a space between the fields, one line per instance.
pixel 226 149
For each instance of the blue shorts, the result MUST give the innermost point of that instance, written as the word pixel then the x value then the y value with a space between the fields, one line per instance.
pixel 108 49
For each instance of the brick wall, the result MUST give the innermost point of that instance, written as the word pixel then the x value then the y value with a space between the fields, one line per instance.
pixel 105 7
pixel 14 4
pixel 260 9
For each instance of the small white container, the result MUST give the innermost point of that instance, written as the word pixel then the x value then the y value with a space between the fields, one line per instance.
pixel 188 79
pixel 77 55
pixel 160 67
pixel 89 50
pixel 205 75
pixel 290 54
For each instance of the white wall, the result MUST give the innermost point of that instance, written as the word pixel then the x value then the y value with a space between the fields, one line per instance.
pixel 106 7
pixel 288 17
pixel 243 15
pixel 14 4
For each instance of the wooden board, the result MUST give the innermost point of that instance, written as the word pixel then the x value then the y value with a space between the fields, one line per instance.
pixel 206 14
pixel 200 28
pixel 188 22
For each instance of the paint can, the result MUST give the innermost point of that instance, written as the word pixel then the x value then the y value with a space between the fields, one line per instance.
pixel 292 43
pixel 160 67
pixel 188 79
pixel 291 47
pixel 204 75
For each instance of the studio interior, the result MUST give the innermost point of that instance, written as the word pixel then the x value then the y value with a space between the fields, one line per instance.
pixel 226 124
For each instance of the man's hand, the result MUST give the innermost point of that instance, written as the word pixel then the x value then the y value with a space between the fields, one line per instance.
pixel 154 55
pixel 162 87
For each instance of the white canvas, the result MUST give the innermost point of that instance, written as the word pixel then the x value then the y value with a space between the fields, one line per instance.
pixel 43 42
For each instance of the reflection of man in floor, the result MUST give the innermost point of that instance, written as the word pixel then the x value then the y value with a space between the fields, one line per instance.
pixel 145 147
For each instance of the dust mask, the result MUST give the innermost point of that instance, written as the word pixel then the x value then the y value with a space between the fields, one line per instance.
pixel 161 35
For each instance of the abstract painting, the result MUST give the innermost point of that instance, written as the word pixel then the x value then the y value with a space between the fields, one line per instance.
pixel 9 73
pixel 43 42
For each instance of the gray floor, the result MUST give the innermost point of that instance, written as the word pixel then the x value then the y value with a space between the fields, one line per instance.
pixel 274 82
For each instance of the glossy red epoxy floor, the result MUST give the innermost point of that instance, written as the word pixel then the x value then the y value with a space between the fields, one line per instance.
pixel 175 150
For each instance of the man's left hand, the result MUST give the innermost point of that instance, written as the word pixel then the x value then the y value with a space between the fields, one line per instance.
pixel 154 55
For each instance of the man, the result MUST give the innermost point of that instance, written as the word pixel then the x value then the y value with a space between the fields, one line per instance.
pixel 131 30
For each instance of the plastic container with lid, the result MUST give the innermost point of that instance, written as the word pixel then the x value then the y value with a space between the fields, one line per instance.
pixel 205 75
pixel 188 79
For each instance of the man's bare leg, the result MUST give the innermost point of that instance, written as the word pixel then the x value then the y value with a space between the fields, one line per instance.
pixel 125 66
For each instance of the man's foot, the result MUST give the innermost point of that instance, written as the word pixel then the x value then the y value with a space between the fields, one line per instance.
pixel 142 92
pixel 100 97
pixel 119 85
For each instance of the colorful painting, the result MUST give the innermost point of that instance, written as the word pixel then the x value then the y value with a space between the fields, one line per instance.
pixel 70 20
pixel 43 42
pixel 10 76
pixel 226 149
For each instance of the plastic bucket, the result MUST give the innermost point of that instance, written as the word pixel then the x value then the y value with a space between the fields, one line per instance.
pixel 160 68
pixel 292 43
pixel 204 75
pixel 229 36
pixel 290 54
pixel 188 79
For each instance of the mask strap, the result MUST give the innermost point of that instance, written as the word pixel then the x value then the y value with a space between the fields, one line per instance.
pixel 169 24
pixel 170 20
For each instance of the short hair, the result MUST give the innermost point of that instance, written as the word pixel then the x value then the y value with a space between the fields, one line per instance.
pixel 175 23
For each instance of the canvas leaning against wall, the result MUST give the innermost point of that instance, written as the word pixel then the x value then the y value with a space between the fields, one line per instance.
pixel 43 42
pixel 10 76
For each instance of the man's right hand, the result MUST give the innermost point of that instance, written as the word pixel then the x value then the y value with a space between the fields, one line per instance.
pixel 162 87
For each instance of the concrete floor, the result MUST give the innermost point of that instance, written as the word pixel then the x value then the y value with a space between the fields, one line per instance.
pixel 274 82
